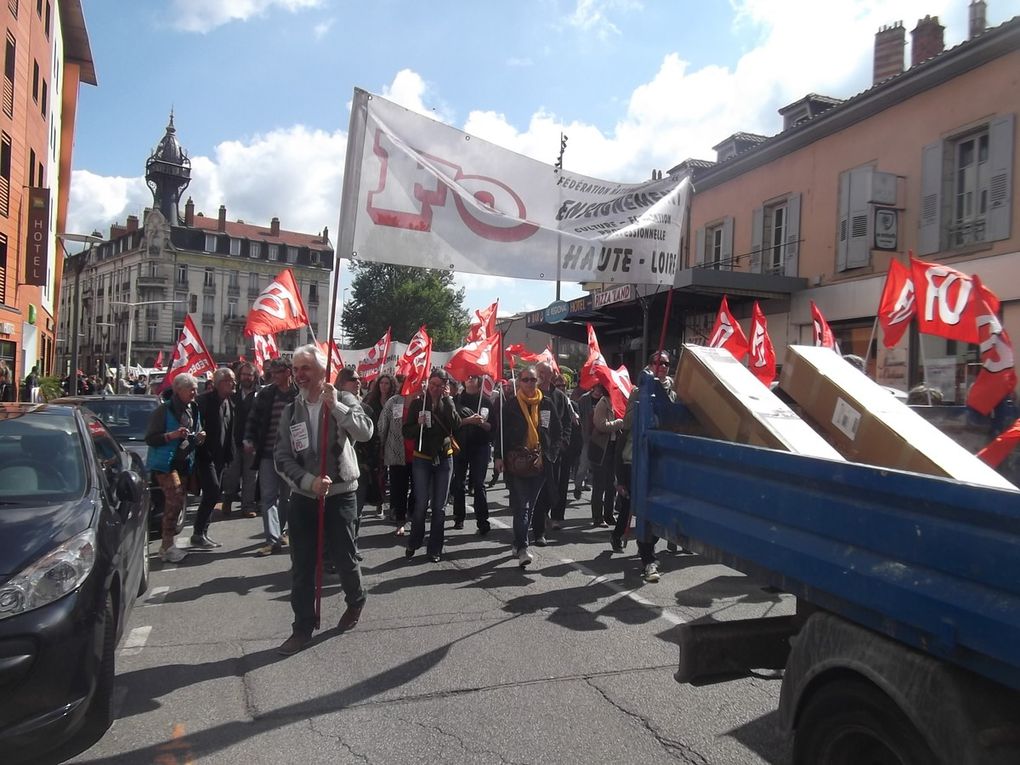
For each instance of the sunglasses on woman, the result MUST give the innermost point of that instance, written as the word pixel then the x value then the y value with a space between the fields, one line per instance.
pixel 529 379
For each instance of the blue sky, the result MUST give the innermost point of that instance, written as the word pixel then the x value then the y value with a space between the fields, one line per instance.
pixel 260 89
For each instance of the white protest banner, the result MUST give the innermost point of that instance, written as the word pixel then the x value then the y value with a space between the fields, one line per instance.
pixel 420 193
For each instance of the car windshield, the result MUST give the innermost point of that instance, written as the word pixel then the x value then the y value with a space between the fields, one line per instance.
pixel 41 458
pixel 125 418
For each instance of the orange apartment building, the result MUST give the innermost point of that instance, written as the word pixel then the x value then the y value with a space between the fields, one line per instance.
pixel 47 56
pixel 925 161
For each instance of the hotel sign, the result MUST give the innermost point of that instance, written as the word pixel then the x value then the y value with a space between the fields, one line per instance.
pixel 37 248
pixel 613 295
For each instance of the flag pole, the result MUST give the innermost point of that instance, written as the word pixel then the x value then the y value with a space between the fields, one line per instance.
pixel 665 321
pixel 867 348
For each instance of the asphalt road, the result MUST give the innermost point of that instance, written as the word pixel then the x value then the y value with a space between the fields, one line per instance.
pixel 467 661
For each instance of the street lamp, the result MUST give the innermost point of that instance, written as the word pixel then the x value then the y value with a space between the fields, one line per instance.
pixel 79 262
pixel 131 322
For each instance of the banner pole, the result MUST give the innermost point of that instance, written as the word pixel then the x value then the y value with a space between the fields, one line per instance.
pixel 665 320
pixel 867 348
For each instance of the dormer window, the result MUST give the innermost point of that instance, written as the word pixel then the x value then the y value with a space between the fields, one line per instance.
pixel 235 246
pixel 210 243
pixel 274 252
pixel 254 249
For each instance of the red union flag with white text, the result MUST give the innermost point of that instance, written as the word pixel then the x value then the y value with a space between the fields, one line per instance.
pixel 727 332
pixel 763 356
pixel 265 349
pixel 483 324
pixel 371 365
pixel 898 304
pixel 822 332
pixel 190 355
pixel 416 363
pixel 997 377
pixel 947 303
pixel 278 307
pixel 596 371
pixel 480 357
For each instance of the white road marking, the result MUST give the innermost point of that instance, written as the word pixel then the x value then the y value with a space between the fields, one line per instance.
pixel 156 596
pixel 136 640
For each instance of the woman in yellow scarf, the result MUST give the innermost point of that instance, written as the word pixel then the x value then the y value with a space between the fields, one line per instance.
pixel 526 422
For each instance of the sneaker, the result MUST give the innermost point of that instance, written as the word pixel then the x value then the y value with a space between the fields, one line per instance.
pixel 298 641
pixel 262 552
pixel 435 557
pixel 358 556
pixel 616 543
pixel 483 528
pixel 651 573
pixel 458 524
pixel 524 558
pixel 284 539
pixel 401 531
pixel 251 514
pixel 350 618
pixel 203 542
pixel 172 555
pixel 409 553
pixel 541 541
pixel 577 492
pixel 671 547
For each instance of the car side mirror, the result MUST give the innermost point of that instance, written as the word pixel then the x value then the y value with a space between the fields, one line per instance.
pixel 129 487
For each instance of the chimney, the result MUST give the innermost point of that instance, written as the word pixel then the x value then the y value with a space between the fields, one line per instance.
pixel 927 40
pixel 132 223
pixel 189 212
pixel 889 44
pixel 223 219
pixel 274 226
pixel 977 18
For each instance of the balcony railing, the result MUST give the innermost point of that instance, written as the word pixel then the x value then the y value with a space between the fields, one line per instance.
pixel 233 290
pixel 151 280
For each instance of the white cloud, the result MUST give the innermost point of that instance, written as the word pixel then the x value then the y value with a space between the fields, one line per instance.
pixel 204 15
pixel 591 16
pixel 321 29
pixel 411 91
pixel 522 62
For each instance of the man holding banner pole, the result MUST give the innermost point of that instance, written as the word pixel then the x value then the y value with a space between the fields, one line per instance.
pixel 314 454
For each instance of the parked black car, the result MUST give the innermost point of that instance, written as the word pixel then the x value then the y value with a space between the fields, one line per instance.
pixel 126 417
pixel 73 558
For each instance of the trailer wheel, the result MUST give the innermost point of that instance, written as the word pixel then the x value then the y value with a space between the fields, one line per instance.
pixel 852 722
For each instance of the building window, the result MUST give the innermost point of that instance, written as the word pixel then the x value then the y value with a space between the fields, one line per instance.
pixel 35 81
pixel 254 249
pixel 292 254
pixel 43 99
pixel 193 304
pixel 274 252
pixel 3 269
pixel 235 246
pixel 31 168
pixel 10 59
pixel 714 246
pixel 48 18
pixel 313 314
pixel 253 282
pixel 5 174
pixel 966 188
pixel 233 283
pixel 210 243
pixel 207 331
pixel 13 5
pixel 209 280
pixel 151 332
pixel 182 273
pixel 208 304
pixel 313 293
pixel 314 255
pixel 232 309
pixel 775 237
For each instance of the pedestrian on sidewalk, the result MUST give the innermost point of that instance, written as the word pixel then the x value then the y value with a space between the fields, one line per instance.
pixel 472 461
pixel 240 479
pixel 606 426
pixel 550 506
pixel 395 456
pixel 298 459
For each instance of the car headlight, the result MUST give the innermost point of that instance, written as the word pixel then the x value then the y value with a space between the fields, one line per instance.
pixel 51 577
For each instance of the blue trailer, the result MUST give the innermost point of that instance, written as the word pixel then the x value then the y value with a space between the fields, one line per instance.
pixel 905 647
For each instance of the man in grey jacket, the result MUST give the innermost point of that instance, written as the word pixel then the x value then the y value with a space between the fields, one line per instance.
pixel 297 455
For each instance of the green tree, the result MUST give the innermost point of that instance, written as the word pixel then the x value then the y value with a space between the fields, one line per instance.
pixel 403 298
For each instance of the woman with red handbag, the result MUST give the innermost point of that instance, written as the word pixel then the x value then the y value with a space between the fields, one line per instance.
pixel 526 429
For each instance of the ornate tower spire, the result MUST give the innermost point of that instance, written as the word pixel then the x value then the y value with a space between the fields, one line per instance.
pixel 168 173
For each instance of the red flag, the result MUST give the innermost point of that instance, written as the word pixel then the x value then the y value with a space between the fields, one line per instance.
pixel 333 356
pixel 483 325
pixel 158 363
pixel 727 332
pixel 480 357
pixel 763 355
pixel 416 363
pixel 997 377
pixel 278 307
pixel 822 331
pixel 519 352
pixel 1001 446
pixel 595 370
pixel 947 303
pixel 371 366
pixel 898 304
pixel 265 349
pixel 190 355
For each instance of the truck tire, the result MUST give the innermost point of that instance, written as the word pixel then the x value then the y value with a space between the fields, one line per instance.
pixel 850 722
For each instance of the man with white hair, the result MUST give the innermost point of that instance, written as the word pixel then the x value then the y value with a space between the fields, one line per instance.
pixel 174 432
pixel 298 456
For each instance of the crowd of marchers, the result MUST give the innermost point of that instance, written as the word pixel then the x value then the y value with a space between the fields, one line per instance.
pixel 299 445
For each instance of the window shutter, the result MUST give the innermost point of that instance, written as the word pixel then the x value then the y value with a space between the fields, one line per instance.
pixel 699 246
pixel 858 249
pixel 757 234
pixel 1000 182
pixel 726 256
pixel 791 266
pixel 843 220
pixel 929 233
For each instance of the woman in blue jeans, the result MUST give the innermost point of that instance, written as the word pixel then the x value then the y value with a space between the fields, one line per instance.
pixel 526 420
pixel 430 424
